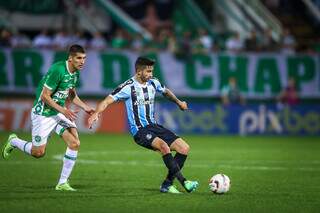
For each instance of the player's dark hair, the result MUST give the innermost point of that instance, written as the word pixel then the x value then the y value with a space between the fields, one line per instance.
pixel 142 62
pixel 76 48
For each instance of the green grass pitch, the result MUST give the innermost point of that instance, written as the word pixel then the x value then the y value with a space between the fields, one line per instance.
pixel 113 174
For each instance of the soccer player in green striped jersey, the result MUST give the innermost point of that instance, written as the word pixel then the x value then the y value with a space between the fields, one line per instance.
pixel 50 114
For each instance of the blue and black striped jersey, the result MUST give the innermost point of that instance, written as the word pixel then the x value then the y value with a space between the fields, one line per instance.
pixel 139 100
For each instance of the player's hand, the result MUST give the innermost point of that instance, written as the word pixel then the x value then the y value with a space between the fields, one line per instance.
pixel 89 110
pixel 71 115
pixel 183 105
pixel 92 119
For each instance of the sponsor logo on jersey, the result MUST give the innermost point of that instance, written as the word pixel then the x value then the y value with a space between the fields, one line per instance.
pixel 61 94
pixel 143 102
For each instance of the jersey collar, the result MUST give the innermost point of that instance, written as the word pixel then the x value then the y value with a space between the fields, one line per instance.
pixel 69 70
pixel 137 82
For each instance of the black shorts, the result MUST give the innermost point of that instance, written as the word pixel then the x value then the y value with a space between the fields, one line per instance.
pixel 147 134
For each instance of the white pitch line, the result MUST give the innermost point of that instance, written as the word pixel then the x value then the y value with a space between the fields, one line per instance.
pixel 139 153
pixel 228 164
pixel 192 165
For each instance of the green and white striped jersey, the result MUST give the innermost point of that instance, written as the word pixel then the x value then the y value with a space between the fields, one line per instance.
pixel 59 80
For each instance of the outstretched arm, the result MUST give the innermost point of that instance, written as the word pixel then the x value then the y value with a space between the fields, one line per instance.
pixel 46 98
pixel 169 95
pixel 100 108
pixel 77 101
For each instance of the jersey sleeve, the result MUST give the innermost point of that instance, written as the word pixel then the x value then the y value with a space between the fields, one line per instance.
pixel 122 92
pixel 53 79
pixel 157 85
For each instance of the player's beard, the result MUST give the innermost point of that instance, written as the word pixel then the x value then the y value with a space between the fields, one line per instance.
pixel 145 79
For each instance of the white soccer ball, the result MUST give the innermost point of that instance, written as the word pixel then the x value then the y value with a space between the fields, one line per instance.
pixel 219 184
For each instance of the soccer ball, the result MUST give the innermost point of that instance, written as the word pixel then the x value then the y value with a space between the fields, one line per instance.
pixel 219 184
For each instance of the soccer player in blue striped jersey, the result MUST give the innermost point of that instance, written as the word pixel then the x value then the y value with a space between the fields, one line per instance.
pixel 138 93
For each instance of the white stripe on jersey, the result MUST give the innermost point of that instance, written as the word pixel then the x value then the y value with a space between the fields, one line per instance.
pixel 139 100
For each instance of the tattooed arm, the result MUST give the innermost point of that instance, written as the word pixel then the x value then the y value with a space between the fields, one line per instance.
pixel 170 96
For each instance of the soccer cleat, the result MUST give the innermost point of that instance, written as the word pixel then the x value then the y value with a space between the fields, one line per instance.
pixel 165 185
pixel 172 189
pixel 169 189
pixel 65 187
pixel 7 147
pixel 190 186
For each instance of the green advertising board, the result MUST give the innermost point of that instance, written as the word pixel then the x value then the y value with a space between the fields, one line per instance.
pixel 258 75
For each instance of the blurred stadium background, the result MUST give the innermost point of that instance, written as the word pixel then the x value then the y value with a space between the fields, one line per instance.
pixel 200 47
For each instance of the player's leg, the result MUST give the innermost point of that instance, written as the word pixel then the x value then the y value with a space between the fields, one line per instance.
pixel 168 159
pixel 36 151
pixel 147 138
pixel 70 136
pixel 14 142
pixel 41 129
pixel 182 150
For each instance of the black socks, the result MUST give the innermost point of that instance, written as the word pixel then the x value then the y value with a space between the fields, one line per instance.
pixel 180 159
pixel 172 165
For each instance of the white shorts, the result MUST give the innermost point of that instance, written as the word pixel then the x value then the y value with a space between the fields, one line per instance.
pixel 43 126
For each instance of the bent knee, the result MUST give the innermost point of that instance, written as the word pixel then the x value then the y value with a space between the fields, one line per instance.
pixel 38 153
pixel 75 144
pixel 184 149
pixel 164 148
